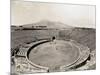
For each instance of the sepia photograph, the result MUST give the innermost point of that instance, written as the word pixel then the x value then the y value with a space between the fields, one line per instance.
pixel 52 37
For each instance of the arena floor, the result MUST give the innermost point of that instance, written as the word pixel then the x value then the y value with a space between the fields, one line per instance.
pixel 55 54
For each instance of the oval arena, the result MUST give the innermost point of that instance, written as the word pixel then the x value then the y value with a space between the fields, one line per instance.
pixel 54 55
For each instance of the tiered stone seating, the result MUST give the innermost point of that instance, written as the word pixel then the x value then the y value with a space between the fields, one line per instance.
pixel 22 52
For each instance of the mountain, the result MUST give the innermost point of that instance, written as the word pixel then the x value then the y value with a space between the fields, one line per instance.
pixel 48 24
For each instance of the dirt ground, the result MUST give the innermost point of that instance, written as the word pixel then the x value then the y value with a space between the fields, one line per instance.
pixel 54 54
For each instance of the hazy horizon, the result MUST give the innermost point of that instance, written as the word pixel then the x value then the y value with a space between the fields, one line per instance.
pixel 26 12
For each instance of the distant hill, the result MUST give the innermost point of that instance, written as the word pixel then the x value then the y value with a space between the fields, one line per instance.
pixel 48 24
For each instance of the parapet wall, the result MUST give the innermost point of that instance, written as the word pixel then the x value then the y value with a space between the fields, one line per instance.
pixel 27 55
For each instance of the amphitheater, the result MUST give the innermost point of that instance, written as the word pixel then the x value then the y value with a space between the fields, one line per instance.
pixel 35 51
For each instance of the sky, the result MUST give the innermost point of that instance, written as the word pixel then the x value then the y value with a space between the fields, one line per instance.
pixel 25 12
